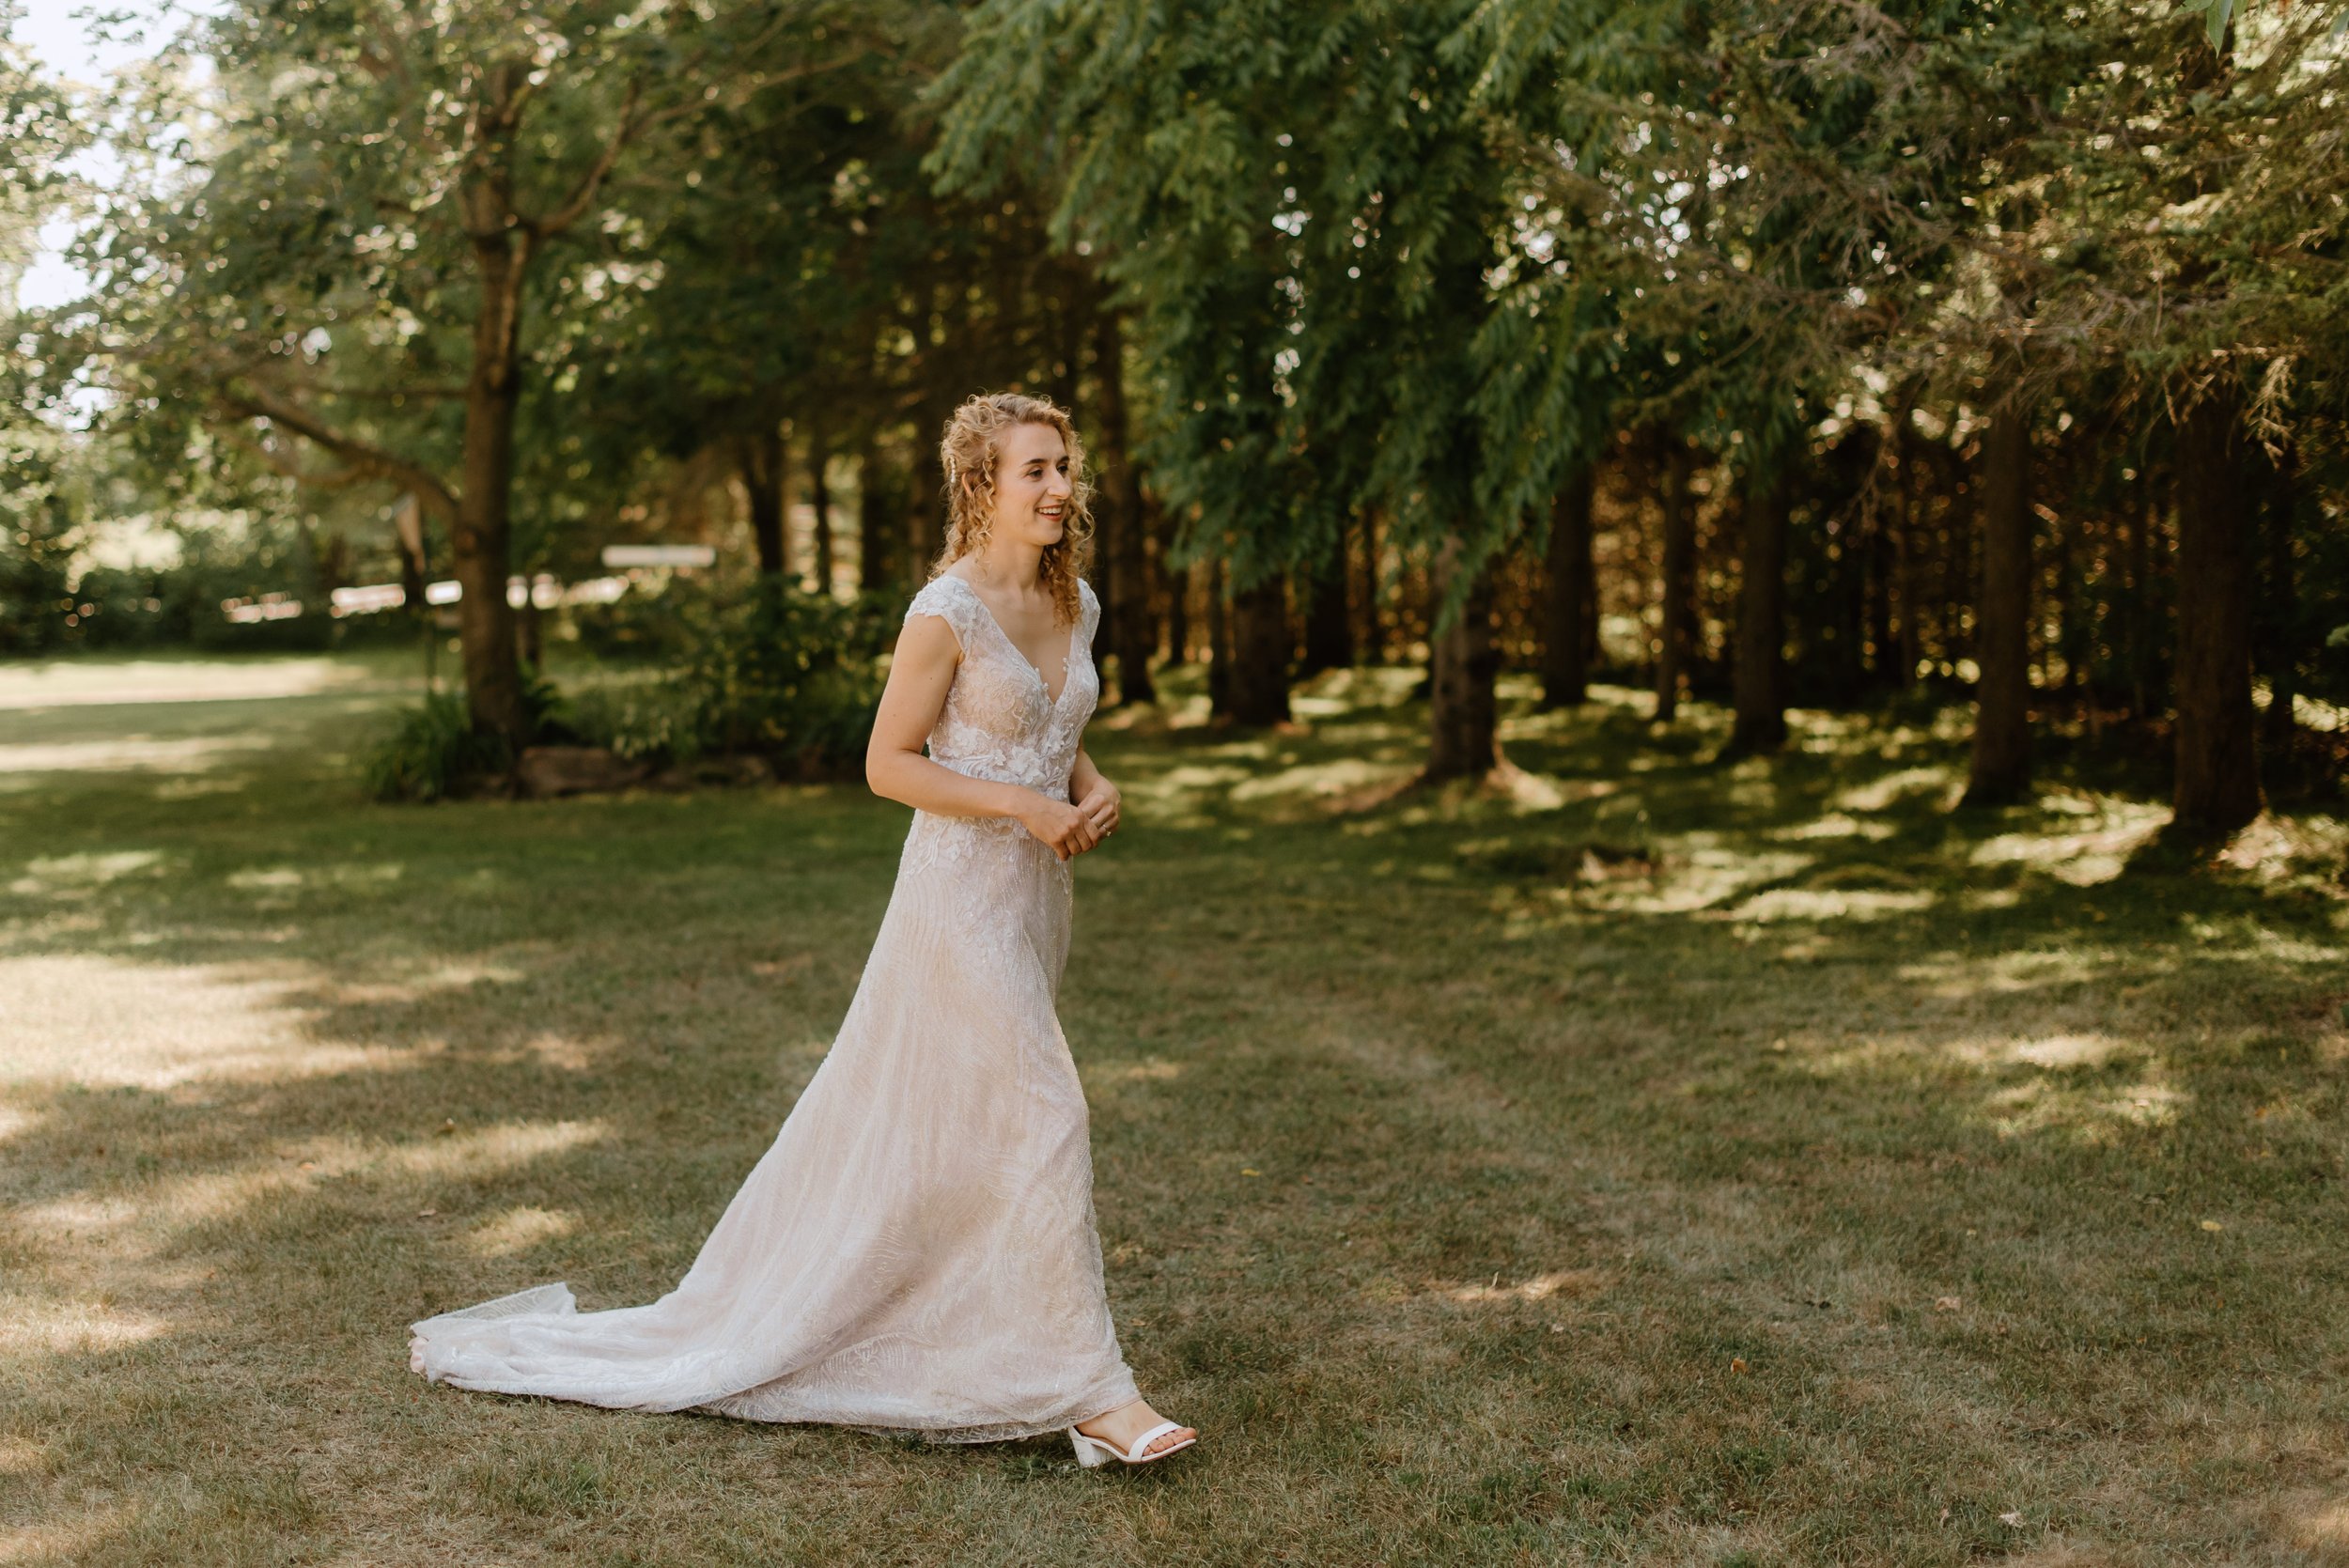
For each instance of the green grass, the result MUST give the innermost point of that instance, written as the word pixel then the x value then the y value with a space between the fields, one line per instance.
pixel 1652 1163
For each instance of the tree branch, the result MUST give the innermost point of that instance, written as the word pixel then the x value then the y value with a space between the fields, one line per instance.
pixel 582 194
pixel 256 403
pixel 341 479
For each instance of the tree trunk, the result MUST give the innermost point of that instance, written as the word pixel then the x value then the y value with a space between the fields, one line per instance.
pixel 1179 584
pixel 1329 622
pixel 481 539
pixel 1566 594
pixel 1908 645
pixel 1676 615
pixel 2138 624
pixel 1218 644
pixel 2064 542
pixel 765 462
pixel 1067 306
pixel 819 501
pixel 1124 554
pixel 2217 786
pixel 1959 512
pixel 876 528
pixel 1882 656
pixel 1759 675
pixel 414 567
pixel 2279 605
pixel 1464 717
pixel 925 520
pixel 1262 647
pixel 2002 764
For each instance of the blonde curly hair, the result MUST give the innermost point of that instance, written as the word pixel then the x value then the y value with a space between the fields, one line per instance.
pixel 972 446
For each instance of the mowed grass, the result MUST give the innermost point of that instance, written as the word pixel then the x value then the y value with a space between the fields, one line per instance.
pixel 1653 1162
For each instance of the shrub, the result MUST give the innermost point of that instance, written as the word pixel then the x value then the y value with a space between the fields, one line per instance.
pixel 648 722
pixel 767 668
pixel 648 623
pixel 434 753
pixel 35 547
pixel 791 675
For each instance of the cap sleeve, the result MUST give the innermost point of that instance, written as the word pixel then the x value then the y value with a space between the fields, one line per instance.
pixel 1089 609
pixel 949 598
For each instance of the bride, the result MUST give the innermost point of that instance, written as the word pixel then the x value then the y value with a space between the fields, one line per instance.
pixel 916 1252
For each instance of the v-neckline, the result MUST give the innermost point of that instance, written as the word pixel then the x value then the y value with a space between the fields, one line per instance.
pixel 1068 660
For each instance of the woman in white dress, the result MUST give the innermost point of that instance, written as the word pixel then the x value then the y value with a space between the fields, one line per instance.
pixel 916 1252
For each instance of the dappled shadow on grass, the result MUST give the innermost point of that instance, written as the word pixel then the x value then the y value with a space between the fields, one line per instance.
pixel 1493 1177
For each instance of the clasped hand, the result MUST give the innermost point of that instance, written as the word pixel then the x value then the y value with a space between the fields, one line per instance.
pixel 1071 829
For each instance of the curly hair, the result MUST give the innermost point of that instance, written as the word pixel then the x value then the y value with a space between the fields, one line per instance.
pixel 972 446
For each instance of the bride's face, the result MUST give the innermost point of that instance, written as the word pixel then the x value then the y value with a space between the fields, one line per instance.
pixel 1032 487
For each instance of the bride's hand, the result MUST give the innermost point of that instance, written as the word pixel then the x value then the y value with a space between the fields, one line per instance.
pixel 1060 826
pixel 1102 807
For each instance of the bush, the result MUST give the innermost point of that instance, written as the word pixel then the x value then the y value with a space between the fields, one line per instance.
pixel 767 670
pixel 655 720
pixel 36 549
pixel 434 753
pixel 648 623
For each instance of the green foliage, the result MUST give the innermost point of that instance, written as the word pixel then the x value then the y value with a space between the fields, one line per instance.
pixel 654 620
pixel 658 720
pixel 130 607
pixel 35 547
pixel 767 670
pixel 433 753
pixel 792 673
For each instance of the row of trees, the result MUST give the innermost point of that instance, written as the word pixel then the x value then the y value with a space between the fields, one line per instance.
pixel 1443 261
pixel 1930 336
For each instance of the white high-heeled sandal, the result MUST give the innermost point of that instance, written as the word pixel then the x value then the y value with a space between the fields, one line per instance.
pixel 1092 1450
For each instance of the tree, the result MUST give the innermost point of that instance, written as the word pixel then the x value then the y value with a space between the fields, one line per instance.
pixel 1676 586
pixel 357 260
pixel 2001 755
pixel 1758 674
pixel 2217 783
pixel 1569 596
pixel 1306 268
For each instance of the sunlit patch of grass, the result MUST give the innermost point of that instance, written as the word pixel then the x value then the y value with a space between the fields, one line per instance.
pixel 518 1230
pixel 1830 904
pixel 30 1326
pixel 54 874
pixel 92 1019
pixel 1935 784
pixel 187 755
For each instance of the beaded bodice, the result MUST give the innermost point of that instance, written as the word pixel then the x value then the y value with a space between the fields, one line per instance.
pixel 1001 721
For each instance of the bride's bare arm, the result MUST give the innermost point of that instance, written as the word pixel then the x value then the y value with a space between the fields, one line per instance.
pixel 920 675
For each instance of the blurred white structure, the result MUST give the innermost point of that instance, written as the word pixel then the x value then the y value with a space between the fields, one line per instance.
pixel 660 555
pixel 544 591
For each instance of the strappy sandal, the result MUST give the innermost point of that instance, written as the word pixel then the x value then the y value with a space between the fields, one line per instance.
pixel 1092 1450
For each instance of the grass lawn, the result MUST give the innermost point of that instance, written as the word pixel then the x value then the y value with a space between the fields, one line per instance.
pixel 1661 1163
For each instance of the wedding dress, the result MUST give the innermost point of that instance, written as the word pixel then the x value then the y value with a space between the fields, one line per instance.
pixel 916 1252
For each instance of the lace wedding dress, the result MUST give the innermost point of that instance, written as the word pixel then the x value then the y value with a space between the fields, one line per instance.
pixel 916 1252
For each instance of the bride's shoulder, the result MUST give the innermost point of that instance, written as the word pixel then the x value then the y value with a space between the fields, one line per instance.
pixel 945 589
pixel 948 598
